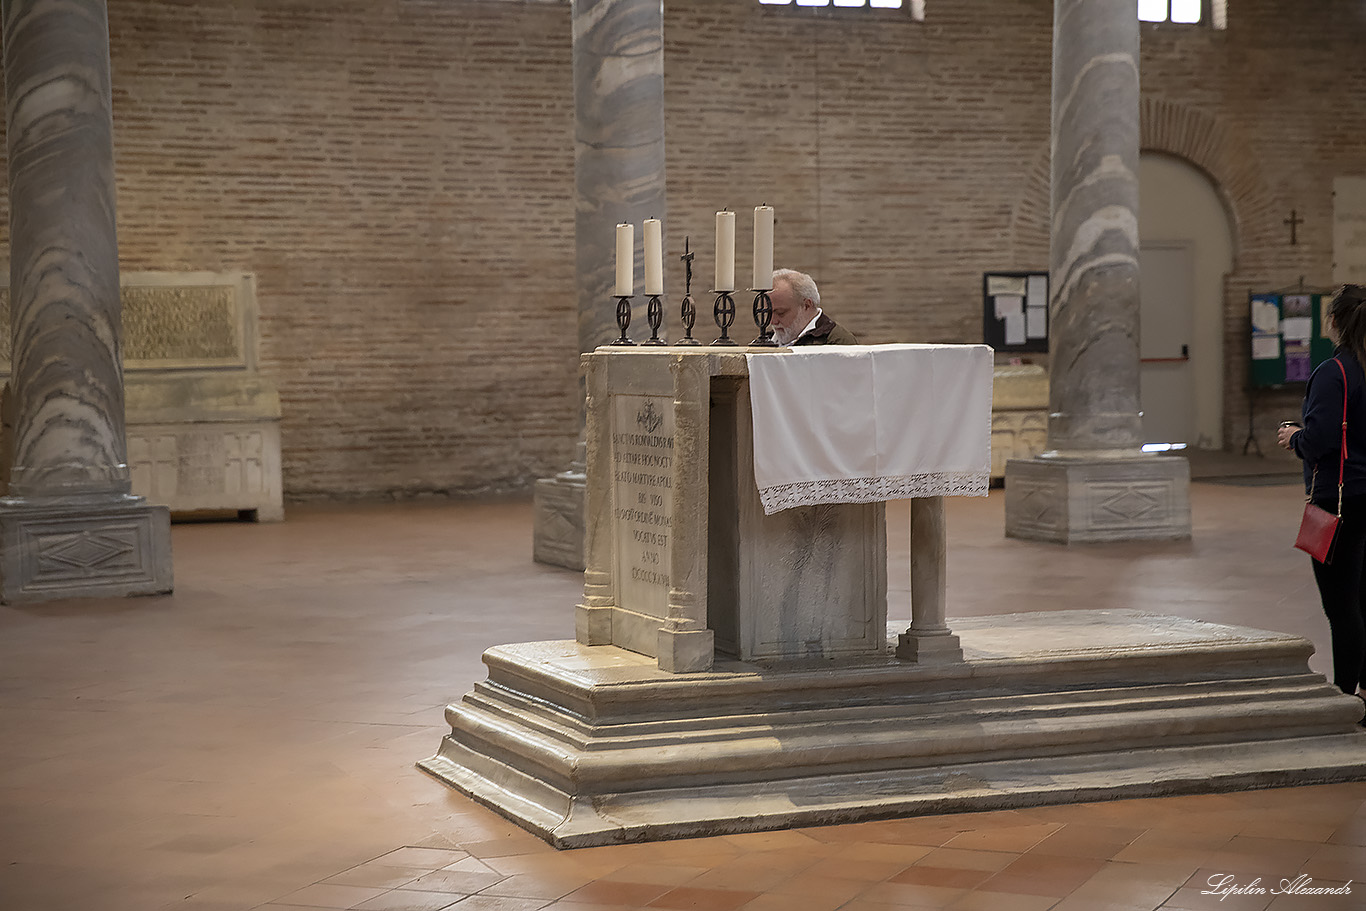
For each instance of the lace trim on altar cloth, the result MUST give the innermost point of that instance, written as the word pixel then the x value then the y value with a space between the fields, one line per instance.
pixel 874 490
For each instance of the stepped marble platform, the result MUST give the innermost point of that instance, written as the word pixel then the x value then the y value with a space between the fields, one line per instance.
pixel 589 745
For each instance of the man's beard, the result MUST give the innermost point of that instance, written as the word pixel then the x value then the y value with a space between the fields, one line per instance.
pixel 782 336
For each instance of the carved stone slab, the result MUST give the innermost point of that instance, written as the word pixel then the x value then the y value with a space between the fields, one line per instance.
pixel 558 508
pixel 1019 414
pixel 115 547
pixel 1081 500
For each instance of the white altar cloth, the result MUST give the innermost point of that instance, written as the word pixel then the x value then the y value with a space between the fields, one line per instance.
pixel 866 423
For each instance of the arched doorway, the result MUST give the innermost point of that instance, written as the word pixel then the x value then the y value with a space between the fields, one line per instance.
pixel 1185 251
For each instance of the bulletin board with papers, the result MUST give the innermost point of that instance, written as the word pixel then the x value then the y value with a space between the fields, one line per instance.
pixel 1287 339
pixel 1015 311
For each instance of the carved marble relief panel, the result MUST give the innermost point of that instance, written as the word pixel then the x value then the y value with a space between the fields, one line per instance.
pixel 172 326
pixel 642 447
pixel 63 554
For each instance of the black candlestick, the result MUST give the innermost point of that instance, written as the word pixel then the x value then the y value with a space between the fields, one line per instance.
pixel 623 318
pixel 724 313
pixel 763 316
pixel 654 315
pixel 689 315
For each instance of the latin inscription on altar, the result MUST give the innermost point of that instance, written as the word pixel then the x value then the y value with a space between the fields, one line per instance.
pixel 642 500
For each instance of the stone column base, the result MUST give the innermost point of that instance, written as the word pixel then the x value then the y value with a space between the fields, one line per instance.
pixel 1069 501
pixel 926 647
pixel 557 535
pixel 87 547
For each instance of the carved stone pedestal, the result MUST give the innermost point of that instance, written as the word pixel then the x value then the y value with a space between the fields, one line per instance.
pixel 1091 500
pixel 557 535
pixel 83 547
pixel 592 745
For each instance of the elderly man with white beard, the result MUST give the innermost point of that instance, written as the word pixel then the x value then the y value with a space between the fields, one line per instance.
pixel 797 315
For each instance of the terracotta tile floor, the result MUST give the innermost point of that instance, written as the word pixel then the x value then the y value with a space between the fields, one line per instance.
pixel 249 742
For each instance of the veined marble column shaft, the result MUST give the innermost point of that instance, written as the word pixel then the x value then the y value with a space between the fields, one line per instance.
pixel 1095 483
pixel 68 524
pixel 618 148
pixel 618 177
pixel 66 383
pixel 1093 340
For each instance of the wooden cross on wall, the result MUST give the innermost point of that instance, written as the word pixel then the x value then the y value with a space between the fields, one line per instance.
pixel 1293 221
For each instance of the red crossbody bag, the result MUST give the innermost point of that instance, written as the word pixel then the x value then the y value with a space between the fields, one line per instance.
pixel 1319 527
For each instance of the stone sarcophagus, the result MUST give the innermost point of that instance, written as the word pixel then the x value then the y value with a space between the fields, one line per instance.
pixel 1019 414
pixel 203 426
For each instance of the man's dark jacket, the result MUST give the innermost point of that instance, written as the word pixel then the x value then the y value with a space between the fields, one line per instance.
pixel 827 332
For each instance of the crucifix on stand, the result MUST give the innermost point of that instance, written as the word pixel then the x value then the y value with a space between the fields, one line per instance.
pixel 1293 221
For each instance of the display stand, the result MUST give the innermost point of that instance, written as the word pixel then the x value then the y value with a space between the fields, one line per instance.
pixel 1286 342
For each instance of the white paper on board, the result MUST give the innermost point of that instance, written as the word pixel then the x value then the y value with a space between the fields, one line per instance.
pixel 1015 329
pixel 1005 284
pixel 1266 347
pixel 1265 317
pixel 1008 305
pixel 1037 295
pixel 1036 322
pixel 1298 328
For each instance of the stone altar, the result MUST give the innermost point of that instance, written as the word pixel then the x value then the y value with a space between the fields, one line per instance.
pixel 682 562
pixel 702 696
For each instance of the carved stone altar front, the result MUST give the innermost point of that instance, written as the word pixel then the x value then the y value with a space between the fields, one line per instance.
pixel 683 564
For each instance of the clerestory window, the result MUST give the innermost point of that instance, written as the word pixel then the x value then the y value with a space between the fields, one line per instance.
pixel 916 8
pixel 1185 12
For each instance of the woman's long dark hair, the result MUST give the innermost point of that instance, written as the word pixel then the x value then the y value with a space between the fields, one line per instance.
pixel 1348 312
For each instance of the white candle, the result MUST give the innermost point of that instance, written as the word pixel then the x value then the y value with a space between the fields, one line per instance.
pixel 626 260
pixel 763 248
pixel 654 257
pixel 725 251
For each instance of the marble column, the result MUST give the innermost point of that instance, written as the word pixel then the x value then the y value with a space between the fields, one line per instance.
pixel 68 524
pixel 1095 483
pixel 618 177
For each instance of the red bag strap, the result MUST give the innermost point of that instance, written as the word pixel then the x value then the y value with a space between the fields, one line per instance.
pixel 1342 450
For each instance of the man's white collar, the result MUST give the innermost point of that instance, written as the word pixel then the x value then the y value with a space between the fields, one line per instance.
pixel 811 325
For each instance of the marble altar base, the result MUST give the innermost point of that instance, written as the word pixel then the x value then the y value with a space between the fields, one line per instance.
pixel 83 547
pixel 1077 501
pixel 590 745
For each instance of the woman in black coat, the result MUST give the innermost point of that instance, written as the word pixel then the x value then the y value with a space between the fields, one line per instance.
pixel 1319 443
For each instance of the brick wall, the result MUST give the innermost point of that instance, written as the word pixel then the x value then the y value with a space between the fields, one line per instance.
pixel 399 175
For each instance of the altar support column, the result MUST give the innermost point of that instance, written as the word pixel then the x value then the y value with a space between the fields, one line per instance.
pixel 618 177
pixel 1095 483
pixel 929 637
pixel 68 525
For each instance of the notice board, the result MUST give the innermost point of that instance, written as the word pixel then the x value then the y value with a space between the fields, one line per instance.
pixel 1015 311
pixel 1287 340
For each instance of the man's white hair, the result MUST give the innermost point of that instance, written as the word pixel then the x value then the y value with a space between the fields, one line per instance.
pixel 803 285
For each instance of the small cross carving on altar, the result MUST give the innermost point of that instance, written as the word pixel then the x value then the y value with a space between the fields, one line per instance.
pixel 1293 221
